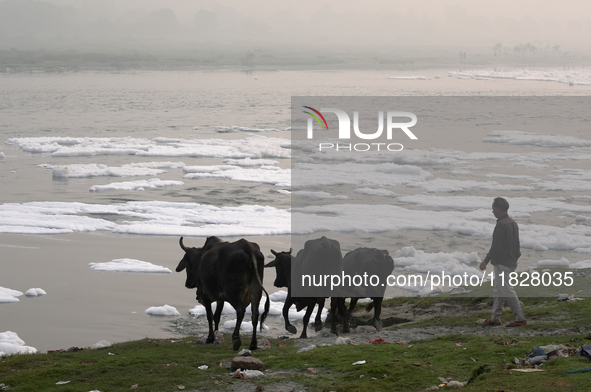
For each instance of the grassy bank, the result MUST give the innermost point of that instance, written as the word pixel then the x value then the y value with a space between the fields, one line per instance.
pixel 165 365
pixel 172 365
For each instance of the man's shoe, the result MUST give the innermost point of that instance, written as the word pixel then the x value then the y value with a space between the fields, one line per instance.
pixel 491 323
pixel 516 324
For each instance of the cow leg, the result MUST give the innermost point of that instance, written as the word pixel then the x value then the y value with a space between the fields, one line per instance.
pixel 352 305
pixel 377 322
pixel 209 312
pixel 236 342
pixel 255 299
pixel 218 314
pixel 309 310
pixel 318 320
pixel 343 310
pixel 333 315
pixel 288 327
pixel 337 306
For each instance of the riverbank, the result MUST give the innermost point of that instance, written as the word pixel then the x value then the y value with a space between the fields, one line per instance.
pixel 442 343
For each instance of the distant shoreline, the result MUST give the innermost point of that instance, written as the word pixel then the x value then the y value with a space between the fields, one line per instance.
pixel 272 58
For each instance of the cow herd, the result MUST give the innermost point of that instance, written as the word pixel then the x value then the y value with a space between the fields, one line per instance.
pixel 233 272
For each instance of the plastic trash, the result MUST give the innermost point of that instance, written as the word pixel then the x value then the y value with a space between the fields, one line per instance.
pixel 101 344
pixel 455 384
pixel 203 367
pixel 247 373
pixel 245 353
pixel 61 382
pixel 538 359
pixel 263 343
pixel 359 363
pixel 310 347
pixel 578 371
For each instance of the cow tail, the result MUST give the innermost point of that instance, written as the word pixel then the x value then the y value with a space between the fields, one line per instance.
pixel 256 273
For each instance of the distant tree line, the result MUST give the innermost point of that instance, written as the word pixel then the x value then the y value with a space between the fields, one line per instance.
pixel 529 50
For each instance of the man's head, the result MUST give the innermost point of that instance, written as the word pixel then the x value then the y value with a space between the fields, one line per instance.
pixel 500 207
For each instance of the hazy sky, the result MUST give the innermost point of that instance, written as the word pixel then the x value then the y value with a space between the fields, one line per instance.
pixel 541 10
pixel 545 24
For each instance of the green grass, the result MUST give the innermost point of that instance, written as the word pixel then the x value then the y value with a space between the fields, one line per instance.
pixel 159 365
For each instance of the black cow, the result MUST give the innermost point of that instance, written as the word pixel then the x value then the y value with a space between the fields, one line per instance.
pixel 223 271
pixel 320 256
pixel 369 261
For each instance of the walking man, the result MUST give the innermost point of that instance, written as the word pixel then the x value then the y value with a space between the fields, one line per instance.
pixel 503 255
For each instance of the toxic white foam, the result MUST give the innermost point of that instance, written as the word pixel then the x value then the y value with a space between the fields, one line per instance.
pixel 570 77
pixel 129 265
pixel 140 185
pixel 536 139
pixel 165 310
pixel 256 146
pixel 8 295
pixel 11 344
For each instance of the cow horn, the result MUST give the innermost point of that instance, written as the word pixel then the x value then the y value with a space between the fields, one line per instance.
pixel 272 251
pixel 182 246
pixel 290 249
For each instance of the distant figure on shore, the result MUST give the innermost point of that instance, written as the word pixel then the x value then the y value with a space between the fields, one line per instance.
pixel 503 255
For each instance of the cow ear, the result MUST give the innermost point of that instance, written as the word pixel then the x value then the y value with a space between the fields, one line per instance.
pixel 182 265
pixel 290 249
pixel 272 251
pixel 271 264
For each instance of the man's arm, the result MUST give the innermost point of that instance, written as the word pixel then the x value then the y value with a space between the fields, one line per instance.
pixel 496 246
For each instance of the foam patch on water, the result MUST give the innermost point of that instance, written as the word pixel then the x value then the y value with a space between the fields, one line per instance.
pixel 563 262
pixel 449 185
pixel 379 175
pixel 378 218
pixel 166 310
pixel 581 264
pixel 570 77
pixel 11 344
pixel 411 77
pixel 410 260
pixel 236 128
pixel 99 170
pixel 265 174
pixel 140 185
pixel 535 139
pixel 250 162
pixel 251 147
pixel 375 191
pixel 148 218
pixel 521 204
pixel 319 195
pixel 275 308
pixel 35 292
pixel 8 295
pixel 129 265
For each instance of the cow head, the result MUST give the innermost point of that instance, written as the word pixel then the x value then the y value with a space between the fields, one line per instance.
pixel 191 257
pixel 282 264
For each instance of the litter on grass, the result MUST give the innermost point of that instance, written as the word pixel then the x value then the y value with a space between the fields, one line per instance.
pixel 247 373
pixel 310 347
pixel 359 363
pixel 578 371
